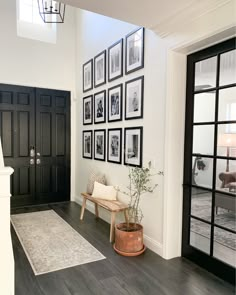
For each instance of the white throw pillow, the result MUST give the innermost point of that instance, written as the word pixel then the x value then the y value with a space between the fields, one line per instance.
pixel 95 176
pixel 104 192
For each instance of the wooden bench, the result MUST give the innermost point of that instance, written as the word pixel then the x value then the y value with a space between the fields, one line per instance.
pixel 111 206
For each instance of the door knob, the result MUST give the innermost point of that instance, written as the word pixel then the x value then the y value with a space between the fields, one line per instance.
pixel 38 154
pixel 38 161
pixel 31 161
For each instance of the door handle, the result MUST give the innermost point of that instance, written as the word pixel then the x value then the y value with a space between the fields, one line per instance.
pixel 38 154
pixel 32 151
pixel 31 161
pixel 38 161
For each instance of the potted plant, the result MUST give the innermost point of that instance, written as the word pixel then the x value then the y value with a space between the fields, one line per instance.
pixel 129 235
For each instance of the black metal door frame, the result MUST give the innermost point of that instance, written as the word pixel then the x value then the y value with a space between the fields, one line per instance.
pixel 207 261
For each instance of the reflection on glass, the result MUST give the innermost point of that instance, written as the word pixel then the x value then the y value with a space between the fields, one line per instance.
pixel 204 107
pixel 205 74
pixel 224 246
pixel 228 68
pixel 227 104
pixel 226 144
pixel 226 175
pixel 203 139
pixel 200 233
pixel 201 203
pixel 225 209
pixel 202 170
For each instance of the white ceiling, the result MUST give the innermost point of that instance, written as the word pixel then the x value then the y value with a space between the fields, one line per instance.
pixel 162 16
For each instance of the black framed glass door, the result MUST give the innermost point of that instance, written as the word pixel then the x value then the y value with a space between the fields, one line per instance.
pixel 209 209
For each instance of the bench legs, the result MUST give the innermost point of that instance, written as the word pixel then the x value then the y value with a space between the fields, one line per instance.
pixel 82 209
pixel 112 226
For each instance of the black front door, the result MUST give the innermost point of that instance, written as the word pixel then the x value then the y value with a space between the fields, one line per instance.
pixel 35 133
pixel 209 208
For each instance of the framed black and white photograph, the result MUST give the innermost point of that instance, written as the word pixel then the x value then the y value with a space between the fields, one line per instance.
pixel 115 102
pixel 134 51
pixel 114 145
pixel 99 144
pixel 133 152
pixel 88 110
pixel 88 76
pixel 115 60
pixel 87 144
pixel 100 69
pixel 134 98
pixel 100 107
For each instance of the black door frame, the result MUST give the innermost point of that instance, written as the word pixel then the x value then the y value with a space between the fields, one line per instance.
pixel 208 262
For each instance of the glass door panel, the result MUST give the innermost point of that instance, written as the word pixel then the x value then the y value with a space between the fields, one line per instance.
pixel 226 176
pixel 228 68
pixel 201 203
pixel 200 235
pixel 226 143
pixel 225 208
pixel 203 139
pixel 225 246
pixel 202 171
pixel 227 104
pixel 204 107
pixel 205 74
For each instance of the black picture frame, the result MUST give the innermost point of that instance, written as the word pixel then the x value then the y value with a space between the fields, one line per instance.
pixel 133 146
pixel 87 141
pixel 134 51
pixel 115 60
pixel 100 144
pixel 100 69
pixel 88 75
pixel 99 107
pixel 88 110
pixel 134 96
pixel 114 145
pixel 115 103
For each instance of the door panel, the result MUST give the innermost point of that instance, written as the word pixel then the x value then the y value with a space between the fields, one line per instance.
pixel 17 117
pixel 7 133
pixel 23 132
pixel 35 133
pixel 52 145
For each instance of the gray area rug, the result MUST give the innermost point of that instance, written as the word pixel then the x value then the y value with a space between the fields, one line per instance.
pixel 50 243
pixel 201 207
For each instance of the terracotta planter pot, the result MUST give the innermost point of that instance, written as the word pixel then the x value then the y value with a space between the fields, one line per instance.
pixel 129 242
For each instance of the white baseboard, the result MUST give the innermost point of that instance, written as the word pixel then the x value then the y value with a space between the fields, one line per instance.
pixel 103 214
pixel 153 245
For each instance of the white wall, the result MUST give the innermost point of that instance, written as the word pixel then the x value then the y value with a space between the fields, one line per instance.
pixel 164 115
pixel 34 63
pixel 94 34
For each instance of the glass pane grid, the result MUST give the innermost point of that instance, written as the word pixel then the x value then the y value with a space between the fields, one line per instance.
pixel 212 215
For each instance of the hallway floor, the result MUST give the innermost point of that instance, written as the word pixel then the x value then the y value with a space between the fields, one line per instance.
pixel 148 274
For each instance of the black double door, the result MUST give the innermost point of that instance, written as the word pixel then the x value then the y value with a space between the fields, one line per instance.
pixel 35 134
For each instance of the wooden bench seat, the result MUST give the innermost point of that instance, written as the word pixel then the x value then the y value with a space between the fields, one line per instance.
pixel 111 206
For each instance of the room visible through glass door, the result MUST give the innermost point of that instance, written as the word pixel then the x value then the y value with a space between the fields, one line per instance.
pixel 209 228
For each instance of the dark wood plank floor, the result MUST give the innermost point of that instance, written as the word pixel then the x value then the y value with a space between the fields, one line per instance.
pixel 147 274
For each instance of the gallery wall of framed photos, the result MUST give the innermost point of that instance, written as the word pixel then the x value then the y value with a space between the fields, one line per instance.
pixel 113 88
